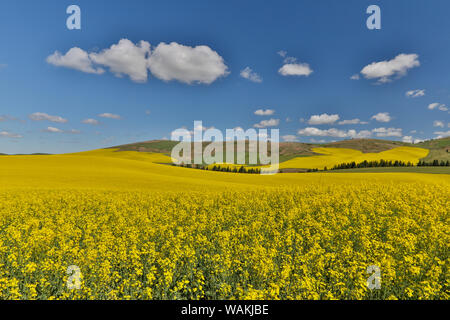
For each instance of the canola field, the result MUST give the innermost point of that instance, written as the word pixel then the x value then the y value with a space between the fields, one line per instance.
pixel 140 229
pixel 330 157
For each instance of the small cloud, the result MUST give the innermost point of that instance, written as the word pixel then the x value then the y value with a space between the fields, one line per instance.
pixel 295 69
pixel 352 121
pixel 40 116
pixel 282 53
pixel 323 119
pixel 262 112
pixel 408 139
pixel 415 93
pixel 53 130
pixel 438 123
pixel 267 123
pixel 387 132
pixel 442 134
pixel 289 138
pixel 382 117
pixel 8 134
pixel 333 132
pixel 249 74
pixel 75 58
pixel 439 106
pixel 74 131
pixel 90 121
pixel 397 67
pixel 110 116
pixel 355 77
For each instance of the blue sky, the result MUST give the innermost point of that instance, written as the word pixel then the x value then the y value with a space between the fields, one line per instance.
pixel 302 55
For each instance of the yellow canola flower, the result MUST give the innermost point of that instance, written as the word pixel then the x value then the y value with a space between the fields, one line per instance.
pixel 139 229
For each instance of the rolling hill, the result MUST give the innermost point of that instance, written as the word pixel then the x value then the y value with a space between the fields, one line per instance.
pixel 439 149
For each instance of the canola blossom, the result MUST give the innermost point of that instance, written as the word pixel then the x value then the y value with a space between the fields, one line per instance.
pixel 138 229
pixel 329 157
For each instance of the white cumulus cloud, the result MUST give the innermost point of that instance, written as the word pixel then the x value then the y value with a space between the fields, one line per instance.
pixel 251 75
pixel 267 123
pixel 323 119
pixel 186 64
pixel 415 93
pixel 289 138
pixel 41 116
pixel 110 116
pixel 442 134
pixel 53 130
pixel 167 62
pixel 295 69
pixel 75 58
pixel 262 112
pixel 408 139
pixel 397 67
pixel 90 121
pixel 382 117
pixel 125 58
pixel 352 121
pixel 387 132
pixel 333 132
pixel 439 106
pixel 7 134
pixel 438 123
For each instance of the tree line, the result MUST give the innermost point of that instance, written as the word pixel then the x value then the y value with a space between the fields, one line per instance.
pixel 372 164
pixel 434 163
pixel 344 165
pixel 235 169
pixel 387 163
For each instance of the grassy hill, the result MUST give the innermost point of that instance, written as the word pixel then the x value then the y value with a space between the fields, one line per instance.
pixel 439 149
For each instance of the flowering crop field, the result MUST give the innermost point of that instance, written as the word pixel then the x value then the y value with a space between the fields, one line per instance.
pixel 137 229
pixel 333 156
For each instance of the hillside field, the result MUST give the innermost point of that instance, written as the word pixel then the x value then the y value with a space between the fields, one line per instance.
pixel 138 228
pixel 330 157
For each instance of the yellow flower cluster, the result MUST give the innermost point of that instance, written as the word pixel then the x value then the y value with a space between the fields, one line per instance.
pixel 305 242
